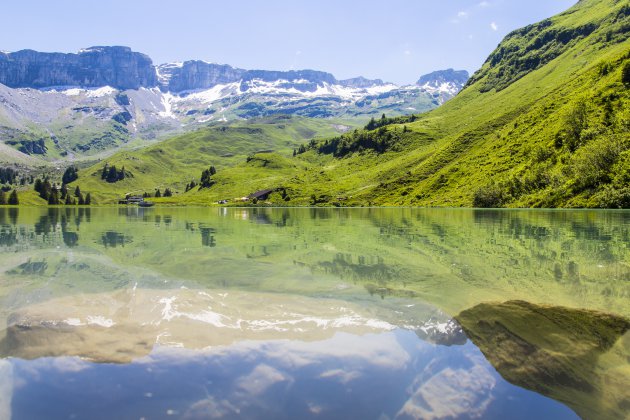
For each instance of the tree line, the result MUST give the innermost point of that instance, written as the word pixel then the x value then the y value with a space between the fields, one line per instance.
pixel 375 136
pixel 54 194
pixel 111 174
pixel 205 181
pixel 12 200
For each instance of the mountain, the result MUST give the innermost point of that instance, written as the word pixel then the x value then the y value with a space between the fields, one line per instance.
pixel 444 80
pixel 118 67
pixel 103 98
pixel 545 122
pixel 195 74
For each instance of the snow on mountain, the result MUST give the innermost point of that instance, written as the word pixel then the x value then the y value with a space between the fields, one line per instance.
pixel 109 111
pixel 444 81
pixel 448 88
pixel 165 72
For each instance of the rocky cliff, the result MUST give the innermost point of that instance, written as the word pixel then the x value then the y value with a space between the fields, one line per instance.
pixel 195 74
pixel 122 68
pixel 118 67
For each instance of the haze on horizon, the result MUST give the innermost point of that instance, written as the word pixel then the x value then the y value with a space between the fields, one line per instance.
pixel 396 41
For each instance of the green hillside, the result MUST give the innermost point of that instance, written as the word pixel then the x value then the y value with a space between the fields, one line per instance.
pixel 175 162
pixel 544 123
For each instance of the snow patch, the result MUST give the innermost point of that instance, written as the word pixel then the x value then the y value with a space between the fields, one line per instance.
pixel 166 101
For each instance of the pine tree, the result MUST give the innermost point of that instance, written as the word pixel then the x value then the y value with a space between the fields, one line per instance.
pixel 112 174
pixel 38 185
pixel 206 177
pixel 64 191
pixel 53 197
pixel 77 191
pixel 105 172
pixel 81 199
pixel 46 189
pixel 69 200
pixel 88 199
pixel 158 194
pixel 168 192
pixel 70 175
pixel 3 198
pixel 13 199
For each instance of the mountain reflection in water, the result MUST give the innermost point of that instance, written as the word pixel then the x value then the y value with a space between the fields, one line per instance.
pixel 313 313
pixel 192 353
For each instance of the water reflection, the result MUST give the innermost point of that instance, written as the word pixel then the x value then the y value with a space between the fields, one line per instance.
pixel 112 239
pixel 194 354
pixel 286 297
pixel 574 356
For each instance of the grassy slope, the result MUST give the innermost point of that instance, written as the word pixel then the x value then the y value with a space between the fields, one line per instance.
pixel 175 162
pixel 484 136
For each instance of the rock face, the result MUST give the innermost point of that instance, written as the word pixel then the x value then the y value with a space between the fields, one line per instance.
pixel 436 79
pixel 361 82
pixel 195 74
pixel 122 68
pixel 118 67
pixel 199 75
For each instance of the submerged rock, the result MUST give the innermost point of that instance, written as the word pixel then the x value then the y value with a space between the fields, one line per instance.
pixel 577 357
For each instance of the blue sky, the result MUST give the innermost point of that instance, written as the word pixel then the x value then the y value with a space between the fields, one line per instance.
pixel 395 40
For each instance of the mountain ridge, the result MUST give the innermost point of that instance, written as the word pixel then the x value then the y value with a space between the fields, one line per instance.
pixel 115 66
pixel 104 98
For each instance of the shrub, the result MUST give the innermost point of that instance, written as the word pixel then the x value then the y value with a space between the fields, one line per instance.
pixel 593 163
pixel 490 196
pixel 625 74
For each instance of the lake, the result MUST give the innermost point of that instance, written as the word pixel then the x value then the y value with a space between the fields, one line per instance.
pixel 258 313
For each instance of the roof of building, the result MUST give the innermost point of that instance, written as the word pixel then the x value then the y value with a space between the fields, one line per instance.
pixel 259 194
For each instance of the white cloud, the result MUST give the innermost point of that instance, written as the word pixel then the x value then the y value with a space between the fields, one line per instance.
pixel 461 15
pixel 451 392
pixel 407 52
pixel 484 4
pixel 494 26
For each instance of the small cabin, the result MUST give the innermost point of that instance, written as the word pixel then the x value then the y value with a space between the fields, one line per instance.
pixel 132 199
pixel 260 195
pixel 135 199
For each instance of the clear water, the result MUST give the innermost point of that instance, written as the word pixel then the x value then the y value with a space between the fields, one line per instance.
pixel 190 313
